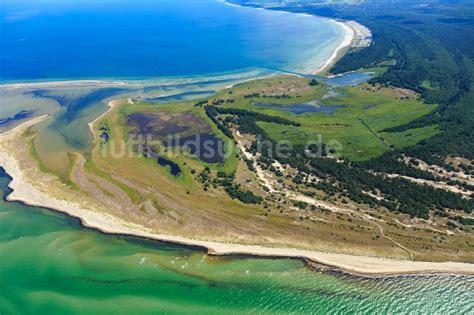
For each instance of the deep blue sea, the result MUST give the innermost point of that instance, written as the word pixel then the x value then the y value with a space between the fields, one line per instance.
pixel 77 39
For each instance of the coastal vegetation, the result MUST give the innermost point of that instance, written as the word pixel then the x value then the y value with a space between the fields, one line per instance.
pixel 421 50
pixel 254 182
pixel 414 50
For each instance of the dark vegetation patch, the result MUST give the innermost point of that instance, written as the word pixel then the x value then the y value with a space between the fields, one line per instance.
pixel 180 130
pixel 231 188
pixel 206 146
pixel 463 220
pixel 163 126
pixel 245 196
pixel 170 130
pixel 244 119
pixel 143 121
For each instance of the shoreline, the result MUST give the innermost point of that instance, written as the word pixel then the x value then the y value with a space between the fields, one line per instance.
pixel 355 35
pixel 26 192
pixel 346 43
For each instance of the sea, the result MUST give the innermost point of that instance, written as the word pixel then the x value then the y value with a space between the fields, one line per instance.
pixel 173 49
pixel 54 40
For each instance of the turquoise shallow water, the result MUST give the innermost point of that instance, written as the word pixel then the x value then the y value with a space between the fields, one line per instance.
pixel 50 264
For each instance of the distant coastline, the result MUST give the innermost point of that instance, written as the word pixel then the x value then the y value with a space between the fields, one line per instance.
pixel 355 35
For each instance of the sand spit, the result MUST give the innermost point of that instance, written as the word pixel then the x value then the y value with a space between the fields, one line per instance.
pixel 26 191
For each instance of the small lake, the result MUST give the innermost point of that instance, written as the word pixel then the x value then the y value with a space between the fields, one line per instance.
pixel 174 168
pixel 300 108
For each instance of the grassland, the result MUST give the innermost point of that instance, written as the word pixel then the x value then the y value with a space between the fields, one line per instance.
pixel 363 113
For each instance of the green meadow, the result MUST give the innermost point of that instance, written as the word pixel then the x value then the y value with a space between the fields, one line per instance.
pixel 362 114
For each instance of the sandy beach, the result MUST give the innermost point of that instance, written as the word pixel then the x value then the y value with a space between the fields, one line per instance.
pixel 24 190
pixel 355 36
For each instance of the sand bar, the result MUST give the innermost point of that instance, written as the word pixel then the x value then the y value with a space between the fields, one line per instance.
pixel 62 84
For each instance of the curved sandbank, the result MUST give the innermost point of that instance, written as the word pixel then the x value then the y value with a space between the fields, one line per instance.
pixel 66 83
pixel 23 190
